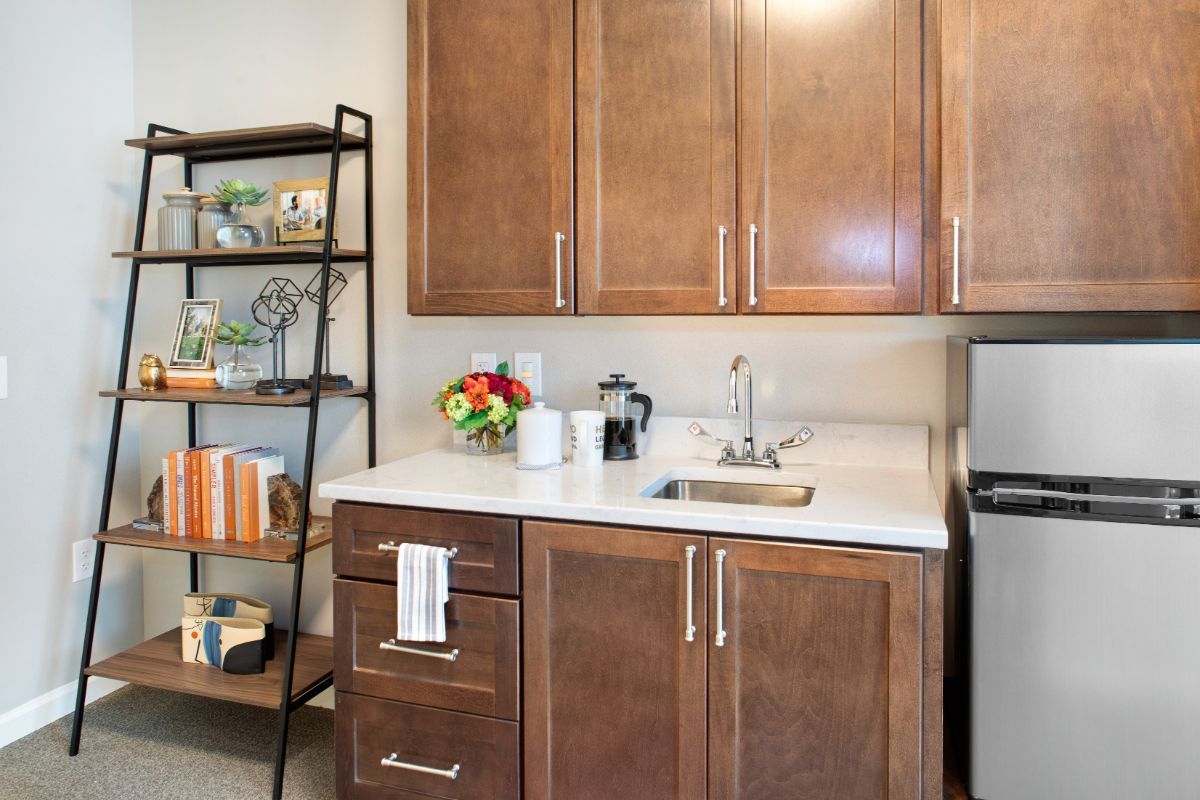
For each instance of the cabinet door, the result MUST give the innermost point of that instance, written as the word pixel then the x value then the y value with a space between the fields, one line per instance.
pixel 815 688
pixel 830 162
pixel 489 157
pixel 1071 156
pixel 654 121
pixel 614 684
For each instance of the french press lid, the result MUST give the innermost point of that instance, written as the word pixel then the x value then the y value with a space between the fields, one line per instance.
pixel 618 382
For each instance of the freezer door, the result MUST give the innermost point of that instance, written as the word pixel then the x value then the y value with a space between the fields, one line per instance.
pixel 1116 410
pixel 1085 659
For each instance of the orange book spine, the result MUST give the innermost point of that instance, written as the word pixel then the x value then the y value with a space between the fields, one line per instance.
pixel 206 530
pixel 249 480
pixel 172 493
pixel 230 504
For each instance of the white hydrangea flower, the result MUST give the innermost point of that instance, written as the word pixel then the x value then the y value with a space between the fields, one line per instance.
pixel 458 407
pixel 497 409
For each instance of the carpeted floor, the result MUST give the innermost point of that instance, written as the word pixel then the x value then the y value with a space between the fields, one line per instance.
pixel 146 743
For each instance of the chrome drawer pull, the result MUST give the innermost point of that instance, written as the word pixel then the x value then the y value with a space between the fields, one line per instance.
pixel 954 298
pixel 390 644
pixel 391 761
pixel 720 637
pixel 722 300
pixel 559 238
pixel 689 632
pixel 753 264
pixel 392 547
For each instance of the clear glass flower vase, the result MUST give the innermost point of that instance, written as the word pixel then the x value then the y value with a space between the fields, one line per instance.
pixel 238 371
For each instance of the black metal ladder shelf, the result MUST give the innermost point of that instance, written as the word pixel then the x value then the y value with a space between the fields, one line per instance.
pixel 290 681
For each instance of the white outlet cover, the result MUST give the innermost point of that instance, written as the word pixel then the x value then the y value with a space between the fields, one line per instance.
pixel 3 377
pixel 527 367
pixel 483 362
pixel 83 559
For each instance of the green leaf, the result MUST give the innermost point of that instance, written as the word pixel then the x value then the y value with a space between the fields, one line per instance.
pixel 502 369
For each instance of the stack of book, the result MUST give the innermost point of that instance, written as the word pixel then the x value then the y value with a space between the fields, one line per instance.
pixel 178 378
pixel 219 491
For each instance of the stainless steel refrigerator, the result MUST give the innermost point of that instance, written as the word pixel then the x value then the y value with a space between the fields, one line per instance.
pixel 1075 471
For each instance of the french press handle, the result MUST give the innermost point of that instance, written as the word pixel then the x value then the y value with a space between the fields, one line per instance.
pixel 647 406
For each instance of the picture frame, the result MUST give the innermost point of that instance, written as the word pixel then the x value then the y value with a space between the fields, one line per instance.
pixel 300 209
pixel 192 347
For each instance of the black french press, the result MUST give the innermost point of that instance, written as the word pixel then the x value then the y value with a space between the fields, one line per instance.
pixel 617 397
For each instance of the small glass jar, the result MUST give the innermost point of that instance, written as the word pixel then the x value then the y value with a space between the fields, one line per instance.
pixel 238 371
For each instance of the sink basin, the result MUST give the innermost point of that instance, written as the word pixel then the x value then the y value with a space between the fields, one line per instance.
pixel 749 494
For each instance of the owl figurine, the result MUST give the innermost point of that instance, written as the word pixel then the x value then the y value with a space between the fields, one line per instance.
pixel 152 375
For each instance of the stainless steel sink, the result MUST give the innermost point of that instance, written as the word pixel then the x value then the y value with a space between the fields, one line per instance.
pixel 748 494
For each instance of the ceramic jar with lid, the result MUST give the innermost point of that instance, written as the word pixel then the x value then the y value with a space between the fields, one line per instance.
pixel 177 220
pixel 539 438
pixel 213 214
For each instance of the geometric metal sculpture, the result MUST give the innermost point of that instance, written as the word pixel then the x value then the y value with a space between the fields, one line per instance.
pixel 337 282
pixel 277 309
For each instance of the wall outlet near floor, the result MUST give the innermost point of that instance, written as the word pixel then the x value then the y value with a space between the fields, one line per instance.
pixel 527 368
pixel 83 559
pixel 483 362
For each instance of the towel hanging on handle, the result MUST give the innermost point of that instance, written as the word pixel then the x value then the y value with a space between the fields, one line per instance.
pixel 422 591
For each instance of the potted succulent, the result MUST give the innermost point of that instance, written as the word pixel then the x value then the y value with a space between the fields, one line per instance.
pixel 485 405
pixel 239 194
pixel 238 371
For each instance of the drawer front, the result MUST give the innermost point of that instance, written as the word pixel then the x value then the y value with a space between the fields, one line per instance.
pixel 368 730
pixel 487 559
pixel 484 678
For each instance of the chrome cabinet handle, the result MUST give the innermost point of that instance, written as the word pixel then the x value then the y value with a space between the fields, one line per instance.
pixel 954 299
pixel 689 632
pixel 391 761
pixel 559 238
pixel 753 258
pixel 997 492
pixel 390 644
pixel 392 547
pixel 722 300
pixel 720 638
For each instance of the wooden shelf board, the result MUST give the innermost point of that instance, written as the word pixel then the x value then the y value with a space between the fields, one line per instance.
pixel 244 397
pixel 293 253
pixel 158 662
pixel 272 549
pixel 306 137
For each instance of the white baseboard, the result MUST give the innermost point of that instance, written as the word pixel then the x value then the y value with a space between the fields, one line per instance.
pixel 54 704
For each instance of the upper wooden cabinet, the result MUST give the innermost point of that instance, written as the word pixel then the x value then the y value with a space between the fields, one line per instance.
pixel 489 157
pixel 1070 156
pixel 830 159
pixel 655 156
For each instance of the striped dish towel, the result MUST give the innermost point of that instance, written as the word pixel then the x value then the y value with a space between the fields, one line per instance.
pixel 422 590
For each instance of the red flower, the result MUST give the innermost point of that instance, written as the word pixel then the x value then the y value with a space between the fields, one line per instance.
pixel 497 384
pixel 523 390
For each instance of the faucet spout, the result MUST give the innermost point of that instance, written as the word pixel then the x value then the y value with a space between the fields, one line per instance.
pixel 744 364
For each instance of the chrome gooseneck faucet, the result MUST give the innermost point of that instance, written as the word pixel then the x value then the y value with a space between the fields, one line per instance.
pixel 729 457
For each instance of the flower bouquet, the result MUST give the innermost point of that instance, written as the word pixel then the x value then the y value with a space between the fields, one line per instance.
pixel 485 405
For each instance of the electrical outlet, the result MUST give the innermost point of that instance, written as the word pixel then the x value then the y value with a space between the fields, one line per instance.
pixel 483 362
pixel 83 559
pixel 527 367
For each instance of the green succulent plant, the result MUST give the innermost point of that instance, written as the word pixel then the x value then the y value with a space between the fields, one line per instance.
pixel 234 332
pixel 238 192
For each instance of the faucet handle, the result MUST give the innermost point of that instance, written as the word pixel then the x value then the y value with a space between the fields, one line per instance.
pixel 802 436
pixel 695 429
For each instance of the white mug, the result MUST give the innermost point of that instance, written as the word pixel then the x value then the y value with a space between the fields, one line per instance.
pixel 587 438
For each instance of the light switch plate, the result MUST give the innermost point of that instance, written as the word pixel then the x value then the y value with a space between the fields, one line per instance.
pixel 3 377
pixel 483 362
pixel 527 368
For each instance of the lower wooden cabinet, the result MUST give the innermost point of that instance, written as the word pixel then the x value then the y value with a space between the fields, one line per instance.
pixel 640 664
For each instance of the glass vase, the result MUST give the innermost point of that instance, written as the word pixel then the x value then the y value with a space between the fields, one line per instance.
pixel 486 441
pixel 238 371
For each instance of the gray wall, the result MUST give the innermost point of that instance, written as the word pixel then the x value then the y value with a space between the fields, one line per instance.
pixel 67 91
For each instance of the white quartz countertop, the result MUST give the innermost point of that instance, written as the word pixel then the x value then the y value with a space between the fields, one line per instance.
pixel 891 503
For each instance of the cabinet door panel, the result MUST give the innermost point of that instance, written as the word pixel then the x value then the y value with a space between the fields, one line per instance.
pixel 655 125
pixel 830 156
pixel 614 693
pixel 1071 155
pixel 816 691
pixel 489 155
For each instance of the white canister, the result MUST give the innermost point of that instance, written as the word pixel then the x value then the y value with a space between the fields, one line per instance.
pixel 539 438
pixel 587 438
pixel 177 220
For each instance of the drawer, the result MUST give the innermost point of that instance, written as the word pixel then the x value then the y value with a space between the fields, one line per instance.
pixel 487 559
pixel 369 730
pixel 484 678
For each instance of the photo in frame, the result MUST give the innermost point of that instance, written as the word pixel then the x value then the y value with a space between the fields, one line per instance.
pixel 192 347
pixel 300 209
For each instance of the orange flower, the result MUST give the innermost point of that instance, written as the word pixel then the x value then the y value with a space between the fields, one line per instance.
pixel 523 390
pixel 477 393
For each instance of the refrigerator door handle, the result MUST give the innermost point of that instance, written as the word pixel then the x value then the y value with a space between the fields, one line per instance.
pixel 996 492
